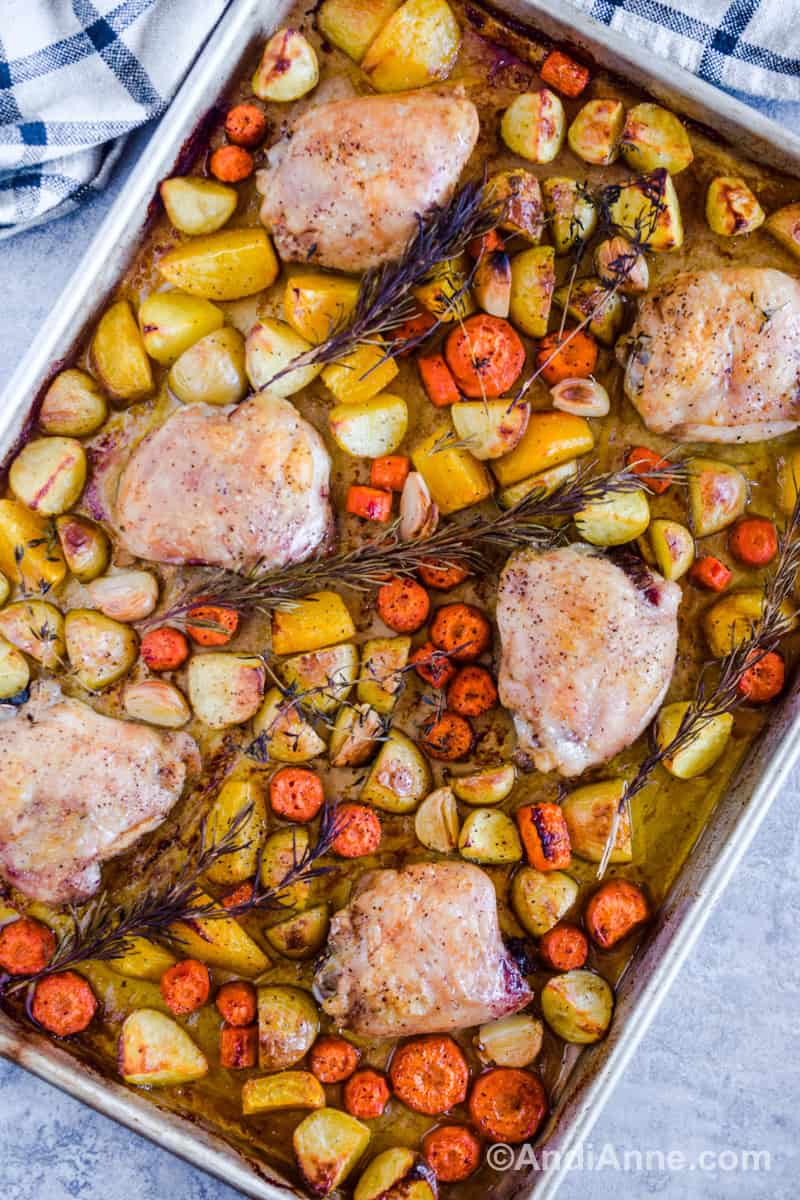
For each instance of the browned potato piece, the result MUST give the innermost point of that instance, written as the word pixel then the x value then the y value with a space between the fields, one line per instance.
pixel 417 45
pixel 351 25
pixel 212 371
pixel 100 649
pixel 171 322
pixel 85 546
pixel 74 405
pixel 222 266
pixel 653 137
pixel 784 225
pixel 647 211
pixel 618 262
pixel 591 298
pixel 288 67
pixel 731 208
pixel 519 200
pixel 595 133
pixel 119 356
pixel 571 214
pixel 197 206
pixel 48 474
pixel 29 549
pixel 533 126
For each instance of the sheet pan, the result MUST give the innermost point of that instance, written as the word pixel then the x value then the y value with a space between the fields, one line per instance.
pixel 737 816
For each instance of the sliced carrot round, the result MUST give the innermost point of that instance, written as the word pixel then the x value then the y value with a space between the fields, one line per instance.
pixel 472 692
pixel 403 605
pixel 452 1152
pixel 508 1104
pixel 433 665
pixel 571 355
pixel 429 1074
pixel 442 578
pixel 26 946
pixel 246 125
pixel 332 1059
pixel 64 1004
pixel 186 986
pixel 564 947
pixel 754 541
pixel 231 164
pixel 211 624
pixel 765 679
pixel 485 355
pixel 236 1002
pixel 164 649
pixel 448 738
pixel 614 911
pixel 360 831
pixel 366 1095
pixel 462 630
pixel 641 460
pixel 296 793
pixel 239 895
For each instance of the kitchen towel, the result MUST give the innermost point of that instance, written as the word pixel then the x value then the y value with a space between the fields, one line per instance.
pixel 75 77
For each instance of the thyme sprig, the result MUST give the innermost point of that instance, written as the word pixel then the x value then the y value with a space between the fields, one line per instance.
pixel 724 695
pixel 466 543
pixel 385 300
pixel 103 930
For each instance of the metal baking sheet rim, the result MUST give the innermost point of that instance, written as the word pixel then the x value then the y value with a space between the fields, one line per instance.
pixel 737 816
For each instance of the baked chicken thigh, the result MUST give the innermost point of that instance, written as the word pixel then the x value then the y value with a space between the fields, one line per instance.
pixel 714 356
pixel 587 654
pixel 230 487
pixel 346 189
pixel 77 788
pixel 419 951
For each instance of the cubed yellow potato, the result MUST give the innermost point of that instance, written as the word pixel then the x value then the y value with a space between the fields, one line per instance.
pixel 29 549
pixel 73 406
pixel 212 371
pixel 592 298
pixel 154 1051
pixel 673 547
pixel 578 1006
pixel 620 264
pixel 222 266
pixel 100 649
pixel 270 347
pixel 654 137
pixel 541 898
pixel 36 628
pixel 143 960
pixel 454 477
pixel 595 133
pixel 492 428
pixel 371 427
pixel 288 1023
pixel 85 546
pixel 171 322
pixel 359 375
pixel 220 942
pixel 118 355
pixel 570 210
pixel 551 438
pixel 198 206
pixel 282 851
pixel 490 785
pixel 156 701
pixel 788 478
pixel 445 293
pixel 288 68
pixel 381 676
pixel 533 280
pixel 399 777
pixel 316 304
pixel 14 670
pixel 731 621
pixel 225 688
pixel 326 675
pixel 545 482
pixel 699 753
pixel 417 45
pixel 129 595
pixel 619 518
pixel 321 619
pixel 731 207
pixel 397 1174
pixel 648 212
pixel 288 1089
pixel 489 836
pixel 519 199
pixel 302 935
pixel 328 1144
pixel 589 812
pixel 717 495
pixel 534 125
pixel 351 25
pixel 284 734
pixel 235 797
pixel 784 225
pixel 355 735
pixel 48 474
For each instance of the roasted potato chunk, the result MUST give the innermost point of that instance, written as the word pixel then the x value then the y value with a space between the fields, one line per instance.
pixel 85 546
pixel 595 133
pixel 647 211
pixel 225 689
pixel 519 199
pixel 673 547
pixel 29 549
pixel 541 898
pixel 702 750
pixel 578 1006
pixel 370 427
pixel 731 207
pixel 397 1174
pixel 302 935
pixel 288 1023
pixel 589 812
pixel 454 477
pixel 326 675
pixel 355 736
pixel 381 676
pixel 282 850
pixel 220 942
pixel 287 737
pixel 48 474
pixel 144 960
pixel 489 836
pixel 533 281
pixel 487 786
pixel 513 1041
pixel 288 68
pixel 270 347
pixel 592 298
pixel 14 671
pixel 171 322
pixel 653 137
pixel 235 796
pixel 619 518
pixel 619 264
pixel 717 495
pixel 445 293
pixel 37 628
pixel 316 304
pixel 551 438
pixel 533 126
pixel 491 428
pixel 222 266
pixel 571 213
pixel 154 1051
pixel 359 375
pixel 157 702
pixel 418 44
pixel 784 225
pixel 73 406
pixel 351 25
pixel 126 595
pixel 321 619
pixel 399 778
pixel 328 1144
pixel 212 371
pixel 288 1089
pixel 100 649
pixel 197 206
pixel 119 357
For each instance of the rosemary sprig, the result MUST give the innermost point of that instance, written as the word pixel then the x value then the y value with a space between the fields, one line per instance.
pixel 102 930
pixel 385 299
pixel 463 543
pixel 725 695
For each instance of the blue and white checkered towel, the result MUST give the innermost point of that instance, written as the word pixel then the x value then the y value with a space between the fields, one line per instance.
pixel 75 76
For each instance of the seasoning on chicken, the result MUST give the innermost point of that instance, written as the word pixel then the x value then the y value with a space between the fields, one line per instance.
pixel 587 654
pixel 346 189
pixel 230 487
pixel 77 788
pixel 714 356
pixel 419 951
